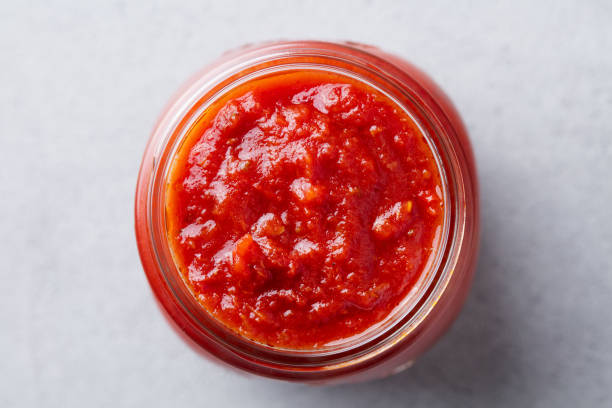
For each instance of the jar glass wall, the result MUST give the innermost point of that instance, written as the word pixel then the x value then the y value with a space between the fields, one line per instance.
pixel 410 329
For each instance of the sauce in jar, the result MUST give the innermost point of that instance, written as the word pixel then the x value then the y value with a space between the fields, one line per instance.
pixel 308 211
pixel 302 208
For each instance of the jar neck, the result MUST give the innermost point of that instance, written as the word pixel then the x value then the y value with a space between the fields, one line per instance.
pixel 244 66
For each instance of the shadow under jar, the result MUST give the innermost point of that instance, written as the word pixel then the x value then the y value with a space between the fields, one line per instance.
pixel 308 211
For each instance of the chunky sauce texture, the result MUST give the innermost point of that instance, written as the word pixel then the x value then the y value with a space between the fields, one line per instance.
pixel 302 208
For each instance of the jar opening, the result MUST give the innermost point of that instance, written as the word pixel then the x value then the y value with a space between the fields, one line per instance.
pixel 376 338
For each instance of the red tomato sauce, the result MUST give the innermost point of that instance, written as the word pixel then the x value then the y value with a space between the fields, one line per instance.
pixel 302 208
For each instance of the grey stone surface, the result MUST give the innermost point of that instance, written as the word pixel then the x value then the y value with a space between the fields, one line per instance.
pixel 80 87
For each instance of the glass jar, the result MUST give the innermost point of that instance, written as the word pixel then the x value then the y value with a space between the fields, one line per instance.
pixel 408 332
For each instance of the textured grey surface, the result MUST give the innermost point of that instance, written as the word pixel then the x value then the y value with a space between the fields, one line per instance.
pixel 80 88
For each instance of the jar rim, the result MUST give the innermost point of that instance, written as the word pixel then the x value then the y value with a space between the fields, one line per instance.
pixel 354 62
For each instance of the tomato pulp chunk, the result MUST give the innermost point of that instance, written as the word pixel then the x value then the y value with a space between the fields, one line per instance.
pixel 302 208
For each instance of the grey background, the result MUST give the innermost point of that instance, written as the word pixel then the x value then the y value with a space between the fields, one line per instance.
pixel 81 85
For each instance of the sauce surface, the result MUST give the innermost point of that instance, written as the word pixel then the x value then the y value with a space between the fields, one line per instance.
pixel 302 208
